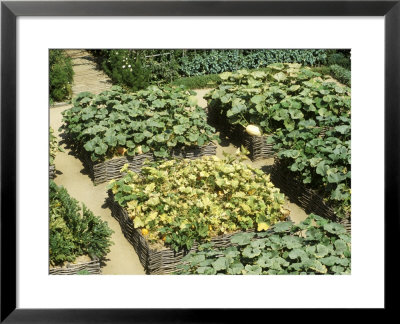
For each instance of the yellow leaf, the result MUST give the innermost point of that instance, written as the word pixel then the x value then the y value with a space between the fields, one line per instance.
pixel 245 207
pixel 262 227
pixel 153 215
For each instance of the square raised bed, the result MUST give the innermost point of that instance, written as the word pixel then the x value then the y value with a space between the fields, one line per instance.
pixel 156 261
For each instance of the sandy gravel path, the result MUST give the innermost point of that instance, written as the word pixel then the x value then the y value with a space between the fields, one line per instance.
pixel 122 259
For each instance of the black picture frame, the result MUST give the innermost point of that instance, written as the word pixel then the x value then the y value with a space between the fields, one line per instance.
pixel 10 10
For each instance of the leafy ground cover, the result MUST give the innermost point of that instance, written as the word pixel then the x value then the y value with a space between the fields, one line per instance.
pixel 308 116
pixel 116 123
pixel 218 61
pixel 315 246
pixel 198 81
pixel 74 231
pixel 212 80
pixel 182 201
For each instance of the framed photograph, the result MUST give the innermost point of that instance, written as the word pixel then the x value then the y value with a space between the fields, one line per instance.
pixel 228 61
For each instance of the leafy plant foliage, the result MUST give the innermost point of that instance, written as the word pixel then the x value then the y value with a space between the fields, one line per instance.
pixel 74 231
pixel 315 246
pixel 281 96
pixel 218 61
pixel 183 201
pixel 60 75
pixel 125 68
pixel 155 119
pixel 54 146
pixel 341 74
pixel 164 66
pixel 307 116
pixel 340 57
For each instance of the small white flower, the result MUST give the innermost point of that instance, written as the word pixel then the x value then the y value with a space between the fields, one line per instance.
pixel 123 66
pixel 129 65
pixel 131 70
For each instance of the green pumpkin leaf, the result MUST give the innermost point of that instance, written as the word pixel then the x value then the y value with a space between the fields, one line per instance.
pixel 179 129
pixel 252 269
pixel 220 264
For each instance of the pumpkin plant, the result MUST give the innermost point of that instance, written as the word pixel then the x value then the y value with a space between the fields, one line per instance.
pixel 156 120
pixel 278 97
pixel 315 246
pixel 178 202
pixel 307 116
pixel 321 162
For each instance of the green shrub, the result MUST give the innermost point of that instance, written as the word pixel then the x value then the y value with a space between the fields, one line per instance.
pixel 341 74
pixel 162 69
pixel 60 75
pixel 339 58
pixel 161 65
pixel 74 231
pixel 125 68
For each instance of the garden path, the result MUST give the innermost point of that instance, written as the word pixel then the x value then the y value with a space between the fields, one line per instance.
pixel 86 75
pixel 122 258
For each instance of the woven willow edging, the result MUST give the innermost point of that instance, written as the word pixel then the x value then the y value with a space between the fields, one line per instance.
pixel 108 170
pixel 52 171
pixel 306 198
pixel 260 149
pixel 256 145
pixel 93 267
pixel 165 260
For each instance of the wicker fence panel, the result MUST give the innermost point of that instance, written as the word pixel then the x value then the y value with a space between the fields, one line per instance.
pixel 306 198
pixel 258 147
pixel 162 261
pixel 93 267
pixel 108 170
